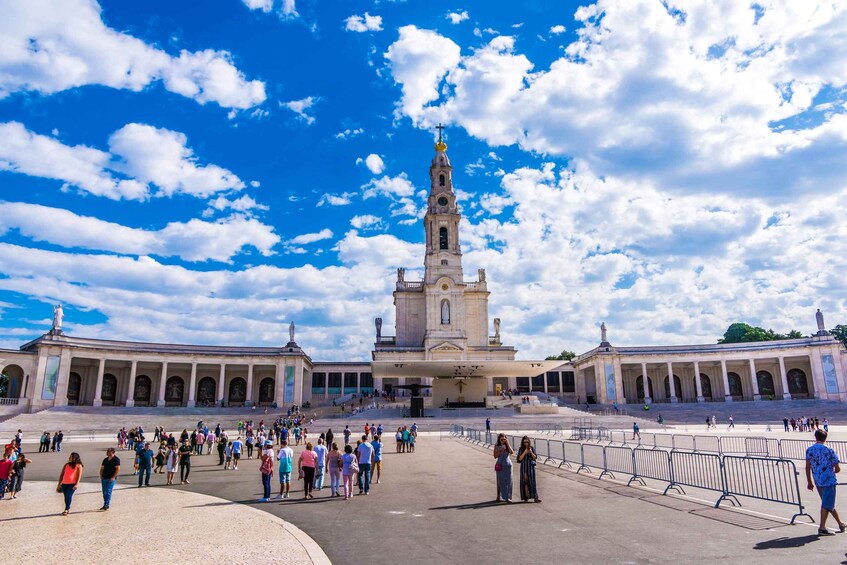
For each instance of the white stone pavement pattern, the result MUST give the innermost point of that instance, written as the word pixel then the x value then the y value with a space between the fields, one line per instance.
pixel 146 526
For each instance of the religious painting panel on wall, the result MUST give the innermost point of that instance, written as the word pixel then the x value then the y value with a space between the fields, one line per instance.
pixel 143 386
pixel 74 388
pixel 266 390
pixel 174 388
pixel 51 377
pixel 110 389
pixel 765 381
pixel 206 391
pixel 706 385
pixel 237 391
pixel 734 384
pixel 798 385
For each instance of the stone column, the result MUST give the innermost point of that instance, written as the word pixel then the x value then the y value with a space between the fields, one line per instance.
pixel 726 393
pixel 192 386
pixel 130 393
pixel 163 378
pixel 221 382
pixel 62 379
pixel 754 382
pixel 98 388
pixel 697 382
pixel 248 401
pixel 671 383
pixel 358 383
pixel 646 378
pixel 818 380
pixel 784 377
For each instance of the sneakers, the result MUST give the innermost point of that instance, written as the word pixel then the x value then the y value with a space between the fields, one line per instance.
pixel 264 500
pixel 286 495
pixel 278 497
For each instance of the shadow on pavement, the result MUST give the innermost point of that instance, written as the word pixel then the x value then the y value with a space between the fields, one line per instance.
pixel 473 506
pixel 786 543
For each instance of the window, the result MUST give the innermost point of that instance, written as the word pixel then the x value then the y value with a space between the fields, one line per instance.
pixel 367 380
pixel 553 381
pixel 444 262
pixel 522 384
pixel 538 382
pixel 568 381
pixel 318 380
pixel 334 380
pixel 445 311
pixel 350 380
pixel 441 180
pixel 442 238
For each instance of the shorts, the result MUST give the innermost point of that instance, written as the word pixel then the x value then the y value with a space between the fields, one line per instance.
pixel 378 465
pixel 236 456
pixel 285 478
pixel 827 497
pixel 229 459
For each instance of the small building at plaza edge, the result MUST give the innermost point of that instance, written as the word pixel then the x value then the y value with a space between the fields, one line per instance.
pixel 442 343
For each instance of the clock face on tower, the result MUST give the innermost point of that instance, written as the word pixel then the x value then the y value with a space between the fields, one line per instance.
pixel 442 201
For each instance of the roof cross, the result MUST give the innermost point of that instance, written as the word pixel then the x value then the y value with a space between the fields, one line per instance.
pixel 440 128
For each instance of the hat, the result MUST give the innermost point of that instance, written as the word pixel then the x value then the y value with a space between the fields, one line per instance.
pixel 268 443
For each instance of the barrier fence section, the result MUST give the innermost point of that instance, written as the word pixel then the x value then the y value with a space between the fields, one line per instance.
pixel 764 478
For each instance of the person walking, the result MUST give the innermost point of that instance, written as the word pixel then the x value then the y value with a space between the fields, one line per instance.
pixel 160 461
pixel 329 436
pixel 171 462
pixel 377 464
pixel 286 463
pixel 6 469
pixel 110 468
pixel 503 468
pixel 348 468
pixel 365 453
pixel 144 464
pixel 222 445
pixel 731 423
pixel 528 459
pixel 334 465
pixel 306 466
pixel 59 438
pixel 184 462
pixel 44 446
pixel 320 454
pixel 398 436
pixel 822 463
pixel 636 431
pixel 236 452
pixel 347 433
pixel 266 468
pixel 18 474
pixel 69 479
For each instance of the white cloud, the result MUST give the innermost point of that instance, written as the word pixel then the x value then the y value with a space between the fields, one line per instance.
pixel 419 59
pixel 307 238
pixel 243 203
pixel 50 47
pixel 287 8
pixel 457 17
pixel 374 163
pixel 367 221
pixel 389 186
pixel 301 107
pixel 557 29
pixel 363 23
pixel 723 102
pixel 342 199
pixel 194 240
pixel 348 133
pixel 143 153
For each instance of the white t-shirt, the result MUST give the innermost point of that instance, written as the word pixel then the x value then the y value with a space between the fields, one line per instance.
pixel 285 456
pixel 320 452
pixel 365 452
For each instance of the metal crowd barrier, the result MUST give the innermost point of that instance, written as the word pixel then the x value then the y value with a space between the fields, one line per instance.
pixel 764 478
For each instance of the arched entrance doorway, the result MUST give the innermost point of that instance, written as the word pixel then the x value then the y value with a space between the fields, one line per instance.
pixel 174 388
pixel 110 389
pixel 735 388
pixel 677 387
pixel 266 391
pixel 798 384
pixel 639 387
pixel 143 387
pixel 765 381
pixel 706 385
pixel 237 391
pixel 11 381
pixel 74 388
pixel 206 391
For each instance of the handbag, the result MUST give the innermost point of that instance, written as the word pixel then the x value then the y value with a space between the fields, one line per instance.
pixel 498 467
pixel 300 474
pixel 354 467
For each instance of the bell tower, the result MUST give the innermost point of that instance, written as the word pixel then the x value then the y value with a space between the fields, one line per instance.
pixel 443 252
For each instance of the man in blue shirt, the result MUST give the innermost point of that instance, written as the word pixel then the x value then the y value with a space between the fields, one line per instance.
pixel 236 452
pixel 822 464
pixel 144 461
pixel 365 453
pixel 377 465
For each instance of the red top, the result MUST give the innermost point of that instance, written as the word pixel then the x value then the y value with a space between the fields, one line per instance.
pixel 5 468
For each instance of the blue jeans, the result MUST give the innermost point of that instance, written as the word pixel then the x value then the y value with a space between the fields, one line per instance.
pixel 365 476
pixel 144 474
pixel 3 483
pixel 107 485
pixel 68 492
pixel 319 477
pixel 266 485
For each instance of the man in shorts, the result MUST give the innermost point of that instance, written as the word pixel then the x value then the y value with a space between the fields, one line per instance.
pixel 822 464
pixel 285 457
pixel 377 464
pixel 237 446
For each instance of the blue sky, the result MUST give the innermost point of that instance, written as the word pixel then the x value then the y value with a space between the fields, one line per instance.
pixel 171 173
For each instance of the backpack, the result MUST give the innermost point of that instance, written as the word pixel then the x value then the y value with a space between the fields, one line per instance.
pixel 267 466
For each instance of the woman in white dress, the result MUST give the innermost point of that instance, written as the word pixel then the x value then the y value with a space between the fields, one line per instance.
pixel 171 459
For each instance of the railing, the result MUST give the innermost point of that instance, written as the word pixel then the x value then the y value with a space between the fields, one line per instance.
pixel 386 340
pixel 410 285
pixel 9 401
pixel 733 476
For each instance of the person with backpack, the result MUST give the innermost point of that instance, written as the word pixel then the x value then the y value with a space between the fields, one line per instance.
pixel 266 468
pixel 822 463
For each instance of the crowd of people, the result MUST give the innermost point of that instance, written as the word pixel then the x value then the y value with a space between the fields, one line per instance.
pixel 805 424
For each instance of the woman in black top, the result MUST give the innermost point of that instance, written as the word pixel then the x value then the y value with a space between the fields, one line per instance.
pixel 19 470
pixel 527 459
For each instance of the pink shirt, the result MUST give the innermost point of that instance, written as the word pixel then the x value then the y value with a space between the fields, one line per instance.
pixel 308 458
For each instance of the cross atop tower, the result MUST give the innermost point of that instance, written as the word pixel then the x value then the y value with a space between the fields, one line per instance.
pixel 440 129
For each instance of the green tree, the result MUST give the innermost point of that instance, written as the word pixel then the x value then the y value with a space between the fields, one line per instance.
pixel 840 333
pixel 740 332
pixel 565 355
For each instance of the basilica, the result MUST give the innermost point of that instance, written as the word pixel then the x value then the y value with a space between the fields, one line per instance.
pixel 442 343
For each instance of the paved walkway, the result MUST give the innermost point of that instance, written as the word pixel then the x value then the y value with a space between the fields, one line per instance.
pixel 144 526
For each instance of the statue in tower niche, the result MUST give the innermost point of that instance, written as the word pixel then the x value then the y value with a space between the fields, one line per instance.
pixel 291 332
pixel 378 324
pixel 481 273
pixel 401 274
pixel 59 314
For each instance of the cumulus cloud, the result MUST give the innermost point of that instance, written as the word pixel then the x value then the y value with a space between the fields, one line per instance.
pixel 557 29
pixel 373 162
pixel 243 203
pixel 50 47
pixel 307 238
pixel 348 133
pixel 389 186
pixel 194 240
pixel 367 221
pixel 287 8
pixel 342 199
pixel 301 108
pixel 720 97
pixel 457 17
pixel 363 23
pixel 145 154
